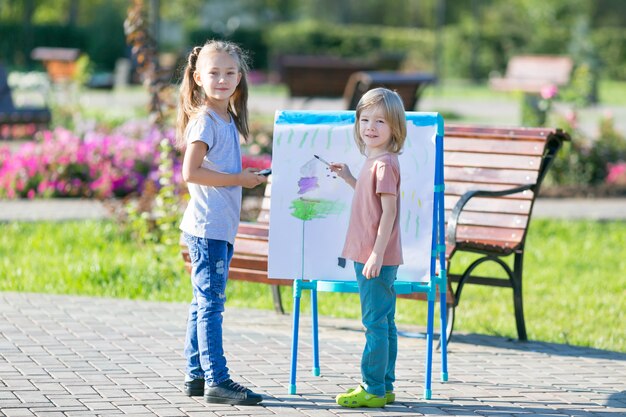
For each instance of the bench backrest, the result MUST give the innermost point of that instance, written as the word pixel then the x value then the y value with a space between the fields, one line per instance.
pixel 318 76
pixel 408 85
pixel 496 159
pixel 532 72
pixel 556 69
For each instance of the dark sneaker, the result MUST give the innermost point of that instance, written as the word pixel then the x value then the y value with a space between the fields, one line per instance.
pixel 230 392
pixel 194 388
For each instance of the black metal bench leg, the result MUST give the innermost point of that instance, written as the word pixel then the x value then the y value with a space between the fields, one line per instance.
pixel 517 296
pixel 278 302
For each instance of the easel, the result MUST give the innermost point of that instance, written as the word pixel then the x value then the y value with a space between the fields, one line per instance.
pixel 437 282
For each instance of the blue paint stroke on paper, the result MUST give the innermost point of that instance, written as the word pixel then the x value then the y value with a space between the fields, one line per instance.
pixel 346 117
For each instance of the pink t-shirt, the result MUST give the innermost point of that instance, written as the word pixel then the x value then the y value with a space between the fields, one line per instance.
pixel 380 175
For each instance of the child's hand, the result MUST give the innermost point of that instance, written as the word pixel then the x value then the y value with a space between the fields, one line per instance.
pixel 342 171
pixel 373 266
pixel 250 179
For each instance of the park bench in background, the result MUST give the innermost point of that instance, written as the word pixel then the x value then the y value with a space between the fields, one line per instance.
pixel 530 73
pixel 14 120
pixel 332 77
pixel 409 85
pixel 492 177
pixel 318 76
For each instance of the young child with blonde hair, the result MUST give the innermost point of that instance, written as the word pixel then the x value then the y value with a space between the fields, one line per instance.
pixel 373 240
pixel 212 115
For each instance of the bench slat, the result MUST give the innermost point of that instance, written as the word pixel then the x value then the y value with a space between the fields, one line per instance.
pixel 491 219
pixel 482 160
pixel 505 235
pixel 248 246
pixel 491 205
pixel 489 175
pixel 502 133
pixel 459 188
pixel 507 146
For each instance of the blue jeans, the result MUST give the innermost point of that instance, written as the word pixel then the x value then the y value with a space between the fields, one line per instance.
pixel 378 310
pixel 210 260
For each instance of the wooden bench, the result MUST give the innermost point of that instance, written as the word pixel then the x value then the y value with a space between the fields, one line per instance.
pixel 492 176
pixel 530 73
pixel 14 120
pixel 318 76
pixel 409 85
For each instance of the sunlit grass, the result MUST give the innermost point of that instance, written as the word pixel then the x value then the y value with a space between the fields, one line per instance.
pixel 574 286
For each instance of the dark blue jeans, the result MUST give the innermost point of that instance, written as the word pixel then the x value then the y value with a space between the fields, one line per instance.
pixel 210 260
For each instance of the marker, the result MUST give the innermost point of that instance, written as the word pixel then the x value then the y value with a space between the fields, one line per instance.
pixel 322 160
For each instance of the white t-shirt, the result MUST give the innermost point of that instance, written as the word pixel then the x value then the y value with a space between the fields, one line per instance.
pixel 214 212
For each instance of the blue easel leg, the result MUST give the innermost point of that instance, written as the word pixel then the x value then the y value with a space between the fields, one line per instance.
pixel 429 349
pixel 444 336
pixel 294 342
pixel 316 349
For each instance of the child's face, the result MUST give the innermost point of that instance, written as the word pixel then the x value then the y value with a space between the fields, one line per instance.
pixel 374 130
pixel 218 75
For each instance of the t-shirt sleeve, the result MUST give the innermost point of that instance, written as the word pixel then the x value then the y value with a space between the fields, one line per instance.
pixel 386 178
pixel 199 129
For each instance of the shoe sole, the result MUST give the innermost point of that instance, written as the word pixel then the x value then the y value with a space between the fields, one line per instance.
pixel 232 401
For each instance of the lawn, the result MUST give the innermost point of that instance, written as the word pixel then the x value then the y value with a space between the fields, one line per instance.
pixel 574 286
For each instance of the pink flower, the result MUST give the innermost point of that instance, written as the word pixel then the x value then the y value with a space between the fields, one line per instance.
pixel 616 173
pixel 549 91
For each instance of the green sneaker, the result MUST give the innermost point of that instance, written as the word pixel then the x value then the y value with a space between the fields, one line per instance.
pixel 390 396
pixel 360 398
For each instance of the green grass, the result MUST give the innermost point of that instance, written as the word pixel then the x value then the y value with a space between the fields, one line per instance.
pixel 574 285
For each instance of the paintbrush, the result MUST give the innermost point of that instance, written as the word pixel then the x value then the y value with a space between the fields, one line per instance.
pixel 322 160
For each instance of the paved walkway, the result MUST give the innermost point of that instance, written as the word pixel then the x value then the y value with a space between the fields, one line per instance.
pixel 80 356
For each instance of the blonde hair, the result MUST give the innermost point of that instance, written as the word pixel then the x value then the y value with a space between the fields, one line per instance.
pixel 192 96
pixel 393 112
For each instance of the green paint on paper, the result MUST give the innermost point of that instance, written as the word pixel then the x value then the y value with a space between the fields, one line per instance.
pixel 306 209
pixel 330 134
pixel 419 203
pixel 303 139
pixel 290 136
pixel 313 138
pixel 280 136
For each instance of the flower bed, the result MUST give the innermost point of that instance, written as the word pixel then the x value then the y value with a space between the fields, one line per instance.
pixel 94 164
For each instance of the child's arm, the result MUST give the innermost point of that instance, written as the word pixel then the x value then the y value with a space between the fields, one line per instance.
pixel 194 172
pixel 343 172
pixel 375 261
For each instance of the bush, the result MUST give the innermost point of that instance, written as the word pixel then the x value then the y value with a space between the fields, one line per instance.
pixel 383 44
pixel 588 163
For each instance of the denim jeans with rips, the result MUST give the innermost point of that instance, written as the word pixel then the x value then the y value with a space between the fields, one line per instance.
pixel 378 310
pixel 210 260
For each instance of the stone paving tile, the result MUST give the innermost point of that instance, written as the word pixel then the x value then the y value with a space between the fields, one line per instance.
pixel 80 356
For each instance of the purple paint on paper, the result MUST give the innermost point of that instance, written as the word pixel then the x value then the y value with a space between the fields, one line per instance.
pixel 307 184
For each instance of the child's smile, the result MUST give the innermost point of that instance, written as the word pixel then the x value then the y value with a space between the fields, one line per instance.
pixel 375 131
